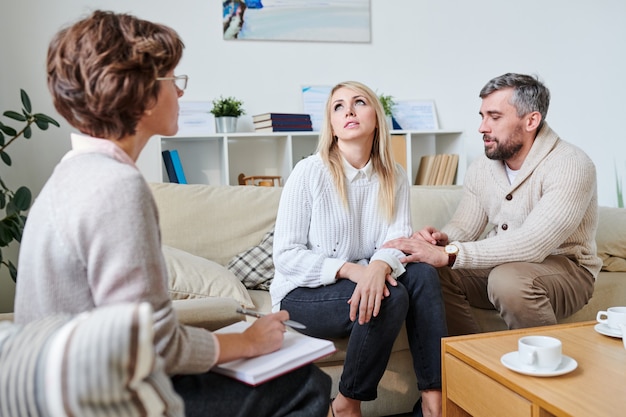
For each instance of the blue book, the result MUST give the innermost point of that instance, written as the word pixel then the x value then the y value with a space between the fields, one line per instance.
pixel 169 166
pixel 178 167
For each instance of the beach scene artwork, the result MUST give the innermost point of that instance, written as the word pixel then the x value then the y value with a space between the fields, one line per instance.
pixel 297 20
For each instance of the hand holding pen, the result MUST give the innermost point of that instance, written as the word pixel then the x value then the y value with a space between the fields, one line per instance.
pixel 262 336
pixel 251 313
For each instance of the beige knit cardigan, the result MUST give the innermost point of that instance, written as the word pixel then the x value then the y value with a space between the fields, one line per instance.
pixel 550 209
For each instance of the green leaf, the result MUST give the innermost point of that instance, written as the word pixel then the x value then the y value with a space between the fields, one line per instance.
pixel 26 101
pixel 3 200
pixel 15 115
pixel 1 138
pixel 13 271
pixel 5 157
pixel 46 118
pixel 28 132
pixel 15 226
pixel 41 124
pixel 8 130
pixel 22 198
pixel 6 235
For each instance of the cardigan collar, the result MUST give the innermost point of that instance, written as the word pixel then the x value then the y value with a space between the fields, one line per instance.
pixel 545 141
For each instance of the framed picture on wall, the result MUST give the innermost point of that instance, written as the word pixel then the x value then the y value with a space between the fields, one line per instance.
pixel 313 102
pixel 416 114
pixel 297 20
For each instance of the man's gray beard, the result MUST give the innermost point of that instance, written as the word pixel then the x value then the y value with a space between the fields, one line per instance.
pixel 503 152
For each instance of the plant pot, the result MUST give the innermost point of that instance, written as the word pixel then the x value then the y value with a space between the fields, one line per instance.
pixel 226 124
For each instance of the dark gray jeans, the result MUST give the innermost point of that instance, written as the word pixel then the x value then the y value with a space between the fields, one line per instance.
pixel 416 300
pixel 304 392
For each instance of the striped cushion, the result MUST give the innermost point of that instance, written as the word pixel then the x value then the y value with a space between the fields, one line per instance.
pixel 100 363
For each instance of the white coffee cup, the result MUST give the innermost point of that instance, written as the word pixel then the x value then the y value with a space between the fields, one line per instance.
pixel 612 317
pixel 540 352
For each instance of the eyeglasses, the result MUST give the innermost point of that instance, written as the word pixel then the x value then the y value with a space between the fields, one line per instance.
pixel 180 81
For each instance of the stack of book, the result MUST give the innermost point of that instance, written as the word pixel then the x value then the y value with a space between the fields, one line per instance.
pixel 439 169
pixel 282 122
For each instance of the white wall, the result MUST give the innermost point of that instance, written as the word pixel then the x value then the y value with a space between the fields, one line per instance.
pixel 444 50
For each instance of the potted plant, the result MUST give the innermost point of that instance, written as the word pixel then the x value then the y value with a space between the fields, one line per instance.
pixel 387 102
pixel 226 111
pixel 13 203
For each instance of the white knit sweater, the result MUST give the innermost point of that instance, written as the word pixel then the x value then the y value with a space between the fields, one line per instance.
pixel 550 209
pixel 316 234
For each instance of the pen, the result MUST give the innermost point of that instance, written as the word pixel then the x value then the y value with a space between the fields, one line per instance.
pixel 256 314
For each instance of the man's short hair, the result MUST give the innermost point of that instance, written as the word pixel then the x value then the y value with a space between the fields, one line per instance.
pixel 529 94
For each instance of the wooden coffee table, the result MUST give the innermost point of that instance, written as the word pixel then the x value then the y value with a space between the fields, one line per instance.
pixel 476 383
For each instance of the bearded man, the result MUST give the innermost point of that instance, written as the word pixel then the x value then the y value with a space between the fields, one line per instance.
pixel 522 239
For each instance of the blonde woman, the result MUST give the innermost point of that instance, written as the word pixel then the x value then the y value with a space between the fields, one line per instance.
pixel 337 210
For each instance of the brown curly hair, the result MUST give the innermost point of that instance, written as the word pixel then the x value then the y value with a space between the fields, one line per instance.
pixel 102 71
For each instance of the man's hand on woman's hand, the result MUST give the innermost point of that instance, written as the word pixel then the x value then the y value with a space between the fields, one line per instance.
pixel 431 235
pixel 423 246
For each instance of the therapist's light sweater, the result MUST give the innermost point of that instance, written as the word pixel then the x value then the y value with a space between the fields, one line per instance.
pixel 92 239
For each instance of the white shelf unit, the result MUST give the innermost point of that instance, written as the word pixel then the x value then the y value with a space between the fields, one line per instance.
pixel 218 159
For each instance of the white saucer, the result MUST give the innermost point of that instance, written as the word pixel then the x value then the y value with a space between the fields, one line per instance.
pixel 511 361
pixel 604 329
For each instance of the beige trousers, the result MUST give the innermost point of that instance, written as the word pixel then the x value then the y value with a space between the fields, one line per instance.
pixel 525 294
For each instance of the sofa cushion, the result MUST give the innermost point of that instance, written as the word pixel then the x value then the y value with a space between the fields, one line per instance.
pixel 255 266
pixel 433 205
pixel 215 222
pixel 611 238
pixel 99 363
pixel 191 276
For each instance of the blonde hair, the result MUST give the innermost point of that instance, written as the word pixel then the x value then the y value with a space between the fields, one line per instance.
pixel 381 157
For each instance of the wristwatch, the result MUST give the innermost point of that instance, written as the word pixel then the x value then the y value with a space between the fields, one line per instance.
pixel 452 251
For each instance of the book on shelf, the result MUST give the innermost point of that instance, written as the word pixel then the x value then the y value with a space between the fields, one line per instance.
pixel 424 168
pixel 178 167
pixel 434 168
pixel 439 169
pixel 169 166
pixel 281 116
pixel 294 128
pixel 283 122
pixel 451 169
pixel 298 350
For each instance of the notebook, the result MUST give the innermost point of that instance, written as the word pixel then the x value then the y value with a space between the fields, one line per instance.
pixel 297 350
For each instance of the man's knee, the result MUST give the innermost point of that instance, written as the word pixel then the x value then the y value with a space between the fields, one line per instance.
pixel 505 286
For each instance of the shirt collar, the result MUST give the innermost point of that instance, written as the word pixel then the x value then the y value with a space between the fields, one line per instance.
pixel 86 144
pixel 352 173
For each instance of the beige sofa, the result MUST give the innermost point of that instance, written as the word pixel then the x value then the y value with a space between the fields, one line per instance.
pixel 201 222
